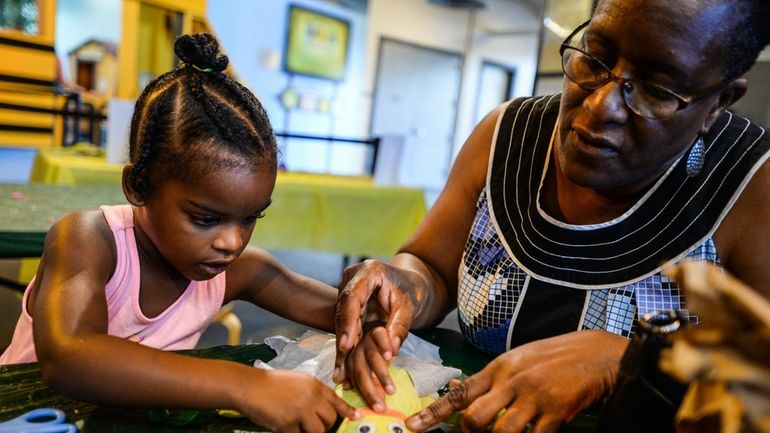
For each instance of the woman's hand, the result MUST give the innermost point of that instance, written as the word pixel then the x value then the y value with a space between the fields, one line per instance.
pixel 373 289
pixel 546 383
pixel 290 402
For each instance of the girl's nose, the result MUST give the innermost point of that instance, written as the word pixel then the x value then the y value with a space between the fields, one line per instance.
pixel 228 240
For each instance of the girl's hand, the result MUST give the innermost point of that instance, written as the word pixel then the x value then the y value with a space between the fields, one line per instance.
pixel 367 367
pixel 546 383
pixel 290 402
pixel 373 288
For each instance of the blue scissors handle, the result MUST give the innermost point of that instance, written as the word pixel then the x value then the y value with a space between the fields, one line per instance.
pixel 44 420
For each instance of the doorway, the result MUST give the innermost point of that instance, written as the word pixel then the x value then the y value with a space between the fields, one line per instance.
pixel 496 84
pixel 86 75
pixel 416 94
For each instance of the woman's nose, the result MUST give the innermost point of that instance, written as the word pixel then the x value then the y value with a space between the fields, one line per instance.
pixel 606 103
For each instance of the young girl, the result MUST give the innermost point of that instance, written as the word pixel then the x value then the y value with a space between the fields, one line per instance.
pixel 156 271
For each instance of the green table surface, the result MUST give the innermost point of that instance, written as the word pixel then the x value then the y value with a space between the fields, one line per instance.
pixel 21 390
pixel 336 214
pixel 27 211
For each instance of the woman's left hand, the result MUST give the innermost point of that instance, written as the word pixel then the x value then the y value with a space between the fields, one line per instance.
pixel 546 383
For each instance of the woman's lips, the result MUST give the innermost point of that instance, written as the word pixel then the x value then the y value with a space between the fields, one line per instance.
pixel 594 146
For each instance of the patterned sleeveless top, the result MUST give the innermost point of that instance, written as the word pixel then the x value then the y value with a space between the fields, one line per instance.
pixel 525 276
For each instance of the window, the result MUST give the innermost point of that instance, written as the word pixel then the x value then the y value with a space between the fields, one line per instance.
pixel 20 15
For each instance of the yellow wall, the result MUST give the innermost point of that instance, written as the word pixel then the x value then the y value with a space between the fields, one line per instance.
pixel 30 62
pixel 146 44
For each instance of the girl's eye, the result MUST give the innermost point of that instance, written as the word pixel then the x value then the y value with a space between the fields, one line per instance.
pixel 205 221
pixel 252 218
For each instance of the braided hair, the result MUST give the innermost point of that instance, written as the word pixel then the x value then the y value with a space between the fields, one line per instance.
pixel 195 119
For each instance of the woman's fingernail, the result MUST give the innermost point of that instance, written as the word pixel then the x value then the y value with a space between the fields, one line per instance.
pixel 343 340
pixel 387 355
pixel 390 389
pixel 336 374
pixel 356 414
pixel 415 422
pixel 378 407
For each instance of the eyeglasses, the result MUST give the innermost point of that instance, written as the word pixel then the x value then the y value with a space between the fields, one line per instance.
pixel 646 99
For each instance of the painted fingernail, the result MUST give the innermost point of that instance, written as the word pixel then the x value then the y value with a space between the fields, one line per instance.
pixel 379 407
pixel 387 355
pixel 390 389
pixel 356 414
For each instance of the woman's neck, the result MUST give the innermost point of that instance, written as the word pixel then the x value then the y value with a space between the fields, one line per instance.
pixel 575 204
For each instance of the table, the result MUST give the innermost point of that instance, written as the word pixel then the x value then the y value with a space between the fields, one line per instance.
pixel 21 389
pixel 337 214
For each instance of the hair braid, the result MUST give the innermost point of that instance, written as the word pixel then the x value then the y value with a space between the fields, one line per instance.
pixel 139 176
pixel 195 119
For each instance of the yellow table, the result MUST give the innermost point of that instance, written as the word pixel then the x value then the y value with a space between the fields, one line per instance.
pixel 338 214
pixel 68 166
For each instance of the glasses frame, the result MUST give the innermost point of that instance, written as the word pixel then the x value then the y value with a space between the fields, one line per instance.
pixel 684 100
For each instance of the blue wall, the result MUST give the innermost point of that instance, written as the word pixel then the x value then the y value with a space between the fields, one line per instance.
pixel 251 31
pixel 80 20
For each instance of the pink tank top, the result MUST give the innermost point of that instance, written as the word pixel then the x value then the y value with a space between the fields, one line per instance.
pixel 178 327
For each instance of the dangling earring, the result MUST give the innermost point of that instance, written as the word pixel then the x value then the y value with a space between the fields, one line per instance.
pixel 695 158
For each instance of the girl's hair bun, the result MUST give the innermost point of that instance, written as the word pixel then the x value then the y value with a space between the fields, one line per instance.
pixel 201 51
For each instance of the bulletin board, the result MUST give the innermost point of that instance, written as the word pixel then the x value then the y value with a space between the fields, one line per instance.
pixel 317 44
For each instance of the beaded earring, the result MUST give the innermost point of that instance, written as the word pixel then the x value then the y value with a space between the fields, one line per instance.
pixel 695 158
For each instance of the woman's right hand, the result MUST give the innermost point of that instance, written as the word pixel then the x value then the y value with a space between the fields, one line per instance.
pixel 291 402
pixel 373 290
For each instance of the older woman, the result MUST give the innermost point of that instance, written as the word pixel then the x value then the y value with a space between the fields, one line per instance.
pixel 560 212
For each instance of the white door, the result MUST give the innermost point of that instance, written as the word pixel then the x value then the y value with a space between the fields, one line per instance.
pixel 495 87
pixel 416 95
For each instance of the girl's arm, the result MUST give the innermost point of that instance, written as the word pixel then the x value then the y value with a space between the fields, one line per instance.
pixel 79 359
pixel 260 278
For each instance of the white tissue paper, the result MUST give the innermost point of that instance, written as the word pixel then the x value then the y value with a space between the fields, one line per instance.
pixel 313 353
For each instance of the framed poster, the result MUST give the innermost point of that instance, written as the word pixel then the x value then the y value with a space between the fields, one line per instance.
pixel 316 44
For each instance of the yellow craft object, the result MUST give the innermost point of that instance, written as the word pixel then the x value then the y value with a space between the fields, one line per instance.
pixel 402 404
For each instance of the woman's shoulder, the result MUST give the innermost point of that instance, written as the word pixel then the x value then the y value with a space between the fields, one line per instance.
pixel 744 234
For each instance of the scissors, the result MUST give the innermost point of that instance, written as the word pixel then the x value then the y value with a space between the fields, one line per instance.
pixel 44 420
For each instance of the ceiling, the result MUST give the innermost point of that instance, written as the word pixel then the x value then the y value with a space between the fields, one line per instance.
pixel 536 6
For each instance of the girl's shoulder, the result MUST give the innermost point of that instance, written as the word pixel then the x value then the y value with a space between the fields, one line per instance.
pixel 83 233
pixel 81 223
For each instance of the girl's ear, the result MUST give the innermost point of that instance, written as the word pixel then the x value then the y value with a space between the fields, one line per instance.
pixel 131 194
pixel 727 97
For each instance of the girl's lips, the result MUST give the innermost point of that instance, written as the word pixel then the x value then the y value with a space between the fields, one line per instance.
pixel 215 268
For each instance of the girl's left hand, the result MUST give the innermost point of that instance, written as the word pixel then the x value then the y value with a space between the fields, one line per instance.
pixel 546 383
pixel 367 366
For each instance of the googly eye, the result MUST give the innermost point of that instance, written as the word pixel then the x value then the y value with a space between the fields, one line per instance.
pixel 396 427
pixel 365 427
